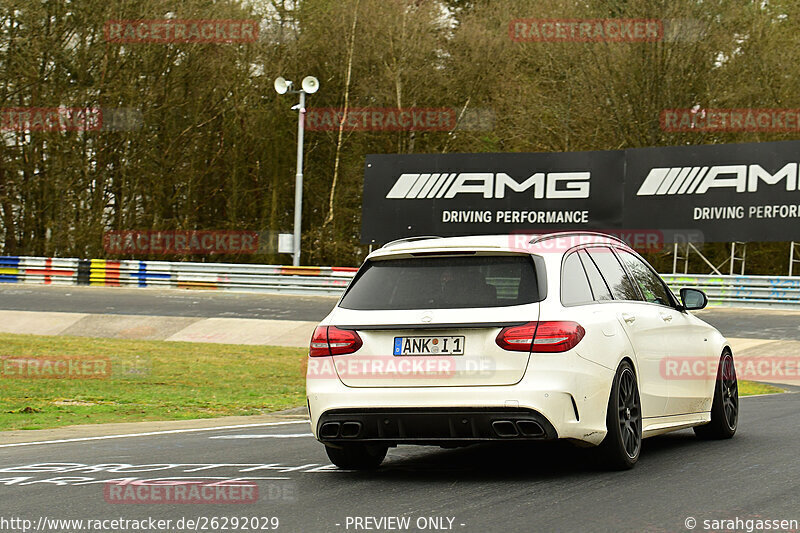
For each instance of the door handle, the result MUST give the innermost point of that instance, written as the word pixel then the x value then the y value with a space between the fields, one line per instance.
pixel 630 319
pixel 666 317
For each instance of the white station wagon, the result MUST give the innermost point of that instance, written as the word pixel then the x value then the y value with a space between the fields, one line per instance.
pixel 453 341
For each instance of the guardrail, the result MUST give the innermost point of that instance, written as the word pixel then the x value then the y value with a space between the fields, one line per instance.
pixel 734 291
pixel 181 275
pixel 742 291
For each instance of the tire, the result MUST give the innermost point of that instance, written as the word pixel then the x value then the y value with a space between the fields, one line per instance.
pixel 725 407
pixel 623 443
pixel 356 455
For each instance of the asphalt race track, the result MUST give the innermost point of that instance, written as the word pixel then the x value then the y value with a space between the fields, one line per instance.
pixel 482 488
pixel 164 302
pixel 545 487
pixel 761 324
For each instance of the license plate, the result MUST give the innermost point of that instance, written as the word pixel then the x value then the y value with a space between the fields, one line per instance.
pixel 429 346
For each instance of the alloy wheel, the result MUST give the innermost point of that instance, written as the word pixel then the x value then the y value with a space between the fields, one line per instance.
pixel 630 413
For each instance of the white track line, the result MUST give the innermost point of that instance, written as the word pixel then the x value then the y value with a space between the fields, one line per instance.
pixel 264 436
pixel 172 431
pixel 150 433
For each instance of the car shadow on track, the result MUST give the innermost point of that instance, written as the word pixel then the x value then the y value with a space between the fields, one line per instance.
pixel 508 461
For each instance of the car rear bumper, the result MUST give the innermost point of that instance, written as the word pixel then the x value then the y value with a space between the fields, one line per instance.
pixel 566 395
pixel 432 426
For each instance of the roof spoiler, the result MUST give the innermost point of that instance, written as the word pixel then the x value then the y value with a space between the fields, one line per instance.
pixel 557 234
pixel 410 239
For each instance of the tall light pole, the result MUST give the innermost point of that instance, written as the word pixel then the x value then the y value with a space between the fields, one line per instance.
pixel 310 85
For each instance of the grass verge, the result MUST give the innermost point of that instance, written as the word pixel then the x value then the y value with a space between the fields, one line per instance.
pixel 750 388
pixel 149 380
pixel 159 380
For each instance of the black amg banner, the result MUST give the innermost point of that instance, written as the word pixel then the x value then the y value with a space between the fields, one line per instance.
pixel 729 192
pixel 745 192
pixel 464 194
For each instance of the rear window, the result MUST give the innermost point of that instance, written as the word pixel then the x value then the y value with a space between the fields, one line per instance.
pixel 443 283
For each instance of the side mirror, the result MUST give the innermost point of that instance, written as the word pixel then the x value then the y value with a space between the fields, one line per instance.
pixel 693 299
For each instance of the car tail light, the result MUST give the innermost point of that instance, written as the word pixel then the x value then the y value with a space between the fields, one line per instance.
pixel 537 337
pixel 517 338
pixel 330 340
pixel 319 343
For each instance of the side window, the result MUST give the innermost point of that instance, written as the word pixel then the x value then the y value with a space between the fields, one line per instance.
pixel 652 287
pixel 574 285
pixel 621 286
pixel 599 287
